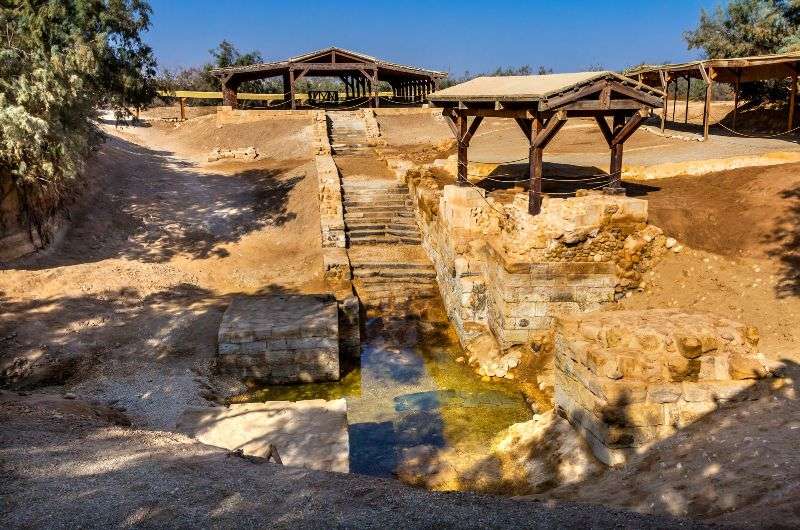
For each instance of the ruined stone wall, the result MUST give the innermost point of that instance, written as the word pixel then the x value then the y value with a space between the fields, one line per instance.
pixel 331 208
pixel 507 274
pixel 626 379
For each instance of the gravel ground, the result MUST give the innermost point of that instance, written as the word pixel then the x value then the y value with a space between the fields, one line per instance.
pixel 67 469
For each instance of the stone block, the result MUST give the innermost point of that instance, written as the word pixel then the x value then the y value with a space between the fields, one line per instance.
pixel 279 328
pixel 311 434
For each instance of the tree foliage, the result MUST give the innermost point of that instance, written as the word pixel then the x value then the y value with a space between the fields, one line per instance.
pixel 747 27
pixel 59 60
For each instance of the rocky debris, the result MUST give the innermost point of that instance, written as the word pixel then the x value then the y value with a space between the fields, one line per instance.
pixel 243 153
pixel 543 453
pixel 628 378
pixel 484 353
pixel 311 434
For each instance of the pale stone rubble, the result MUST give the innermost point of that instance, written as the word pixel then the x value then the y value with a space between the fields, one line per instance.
pixel 311 434
pixel 280 339
pixel 243 153
pixel 628 378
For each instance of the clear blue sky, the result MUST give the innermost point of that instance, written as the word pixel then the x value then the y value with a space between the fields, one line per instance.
pixel 446 35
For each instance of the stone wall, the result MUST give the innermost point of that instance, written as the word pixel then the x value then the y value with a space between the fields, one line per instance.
pixel 626 379
pixel 372 128
pixel 507 274
pixel 280 339
pixel 227 115
pixel 331 208
pixel 320 127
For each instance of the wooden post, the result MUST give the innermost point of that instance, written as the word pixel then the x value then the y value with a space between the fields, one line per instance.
pixel 792 101
pixel 709 99
pixel 665 86
pixel 688 90
pixel 291 89
pixel 674 98
pixel 229 90
pixel 183 108
pixel 535 169
pixel 736 97
pixel 615 167
pixel 376 88
pixel 463 163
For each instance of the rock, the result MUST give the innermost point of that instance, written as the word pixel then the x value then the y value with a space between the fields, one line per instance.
pixel 69 395
pixel 542 453
pixel 670 242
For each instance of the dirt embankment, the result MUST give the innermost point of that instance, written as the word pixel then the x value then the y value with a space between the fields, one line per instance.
pixel 126 308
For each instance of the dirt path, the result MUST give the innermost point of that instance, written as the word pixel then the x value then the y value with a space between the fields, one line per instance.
pixel 126 307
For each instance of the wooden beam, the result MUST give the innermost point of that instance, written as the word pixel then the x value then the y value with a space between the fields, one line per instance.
pixel 551 128
pixel 632 93
pixel 614 104
pixel 476 121
pixel 628 129
pixel 463 162
pixel 524 124
pixel 665 80
pixel 557 101
pixel 492 113
pixel 314 67
pixel 605 129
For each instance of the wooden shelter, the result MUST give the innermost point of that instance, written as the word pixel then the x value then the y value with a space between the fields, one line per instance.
pixel 733 71
pixel 360 74
pixel 541 105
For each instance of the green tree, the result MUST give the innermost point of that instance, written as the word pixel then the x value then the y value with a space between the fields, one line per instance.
pixel 59 60
pixel 746 27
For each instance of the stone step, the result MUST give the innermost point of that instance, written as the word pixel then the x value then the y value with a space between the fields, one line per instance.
pixel 384 240
pixel 376 186
pixel 425 277
pixel 360 234
pixel 379 208
pixel 375 200
pixel 367 225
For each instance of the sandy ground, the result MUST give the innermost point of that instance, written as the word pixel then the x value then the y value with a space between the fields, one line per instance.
pixel 135 291
pixel 66 466
pixel 124 311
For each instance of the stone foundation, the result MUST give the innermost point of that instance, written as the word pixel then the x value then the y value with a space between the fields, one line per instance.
pixel 507 274
pixel 280 339
pixel 629 378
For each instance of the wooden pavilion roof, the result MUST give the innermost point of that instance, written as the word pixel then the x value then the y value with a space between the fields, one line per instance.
pixel 545 92
pixel 327 61
pixel 745 69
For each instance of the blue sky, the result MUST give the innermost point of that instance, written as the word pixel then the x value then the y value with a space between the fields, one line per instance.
pixel 447 35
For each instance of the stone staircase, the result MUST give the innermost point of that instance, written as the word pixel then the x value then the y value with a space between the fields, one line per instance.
pixel 389 277
pixel 347 132
pixel 378 212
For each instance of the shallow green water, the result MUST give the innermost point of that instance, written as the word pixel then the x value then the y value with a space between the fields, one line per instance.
pixel 407 390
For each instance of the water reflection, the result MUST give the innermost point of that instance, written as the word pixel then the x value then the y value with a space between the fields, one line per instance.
pixel 408 390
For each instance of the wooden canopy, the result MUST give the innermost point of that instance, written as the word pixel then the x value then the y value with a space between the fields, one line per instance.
pixel 734 71
pixel 360 74
pixel 541 105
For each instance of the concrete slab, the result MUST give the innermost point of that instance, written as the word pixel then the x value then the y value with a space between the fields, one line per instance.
pixel 310 434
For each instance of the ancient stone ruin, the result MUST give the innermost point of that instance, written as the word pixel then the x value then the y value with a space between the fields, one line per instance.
pixel 626 379
pixel 280 339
